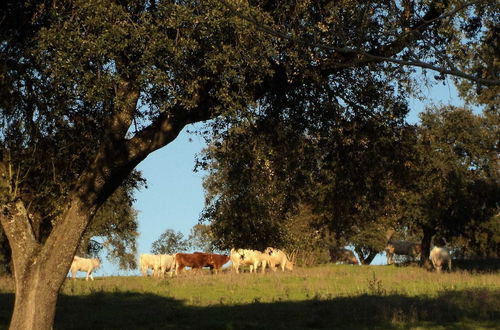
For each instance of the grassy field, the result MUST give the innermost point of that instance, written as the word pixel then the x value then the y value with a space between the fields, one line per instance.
pixel 329 297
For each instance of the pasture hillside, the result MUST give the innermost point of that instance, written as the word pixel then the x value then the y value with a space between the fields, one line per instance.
pixel 330 296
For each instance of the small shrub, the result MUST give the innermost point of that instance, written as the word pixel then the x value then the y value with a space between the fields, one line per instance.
pixel 375 286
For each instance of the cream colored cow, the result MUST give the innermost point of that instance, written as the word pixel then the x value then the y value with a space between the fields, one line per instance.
pixel 167 264
pixel 440 257
pixel 84 265
pixel 253 258
pixel 276 257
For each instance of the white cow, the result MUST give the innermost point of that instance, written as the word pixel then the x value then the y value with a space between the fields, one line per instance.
pixel 147 261
pixel 84 265
pixel 159 263
pixel 439 257
pixel 167 264
pixel 277 257
pixel 253 258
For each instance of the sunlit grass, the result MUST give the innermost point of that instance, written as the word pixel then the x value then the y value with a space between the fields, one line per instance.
pixel 372 296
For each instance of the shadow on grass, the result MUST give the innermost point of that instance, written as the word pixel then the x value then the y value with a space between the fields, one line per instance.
pixel 479 266
pixel 470 309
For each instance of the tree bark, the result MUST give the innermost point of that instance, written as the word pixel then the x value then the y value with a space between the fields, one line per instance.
pixel 426 246
pixel 368 260
pixel 40 269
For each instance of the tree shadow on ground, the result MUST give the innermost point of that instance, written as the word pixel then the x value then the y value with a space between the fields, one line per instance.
pixel 469 309
pixel 478 265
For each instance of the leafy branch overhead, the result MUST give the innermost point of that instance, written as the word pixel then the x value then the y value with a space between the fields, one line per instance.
pixel 429 35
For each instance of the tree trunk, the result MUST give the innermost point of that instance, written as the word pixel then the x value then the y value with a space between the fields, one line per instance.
pixel 35 303
pixel 368 260
pixel 40 269
pixel 426 246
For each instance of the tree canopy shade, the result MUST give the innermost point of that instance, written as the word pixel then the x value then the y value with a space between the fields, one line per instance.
pixel 90 88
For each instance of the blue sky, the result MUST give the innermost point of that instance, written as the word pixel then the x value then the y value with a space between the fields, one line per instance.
pixel 175 196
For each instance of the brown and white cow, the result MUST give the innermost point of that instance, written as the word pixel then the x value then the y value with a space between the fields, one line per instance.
pixel 342 255
pixel 253 258
pixel 276 257
pixel 84 265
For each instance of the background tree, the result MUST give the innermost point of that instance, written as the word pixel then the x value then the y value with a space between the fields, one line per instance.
pixel 90 88
pixel 113 230
pixel 201 238
pixel 170 242
pixel 456 185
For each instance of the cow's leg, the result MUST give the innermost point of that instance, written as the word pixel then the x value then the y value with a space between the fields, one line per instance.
pixel 264 264
pixel 91 277
pixel 73 274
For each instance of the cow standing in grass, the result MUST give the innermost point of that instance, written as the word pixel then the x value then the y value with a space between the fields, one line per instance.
pixel 216 261
pixel 149 261
pixel 194 260
pixel 253 258
pixel 276 257
pixel 167 264
pixel 440 257
pixel 159 263
pixel 406 248
pixel 84 265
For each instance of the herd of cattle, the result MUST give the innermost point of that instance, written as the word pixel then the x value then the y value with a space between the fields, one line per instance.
pixel 271 257
pixel 175 263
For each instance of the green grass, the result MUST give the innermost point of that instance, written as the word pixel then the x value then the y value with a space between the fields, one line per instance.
pixel 330 296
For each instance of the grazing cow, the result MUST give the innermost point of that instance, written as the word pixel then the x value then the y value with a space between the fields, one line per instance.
pixel 253 258
pixel 407 248
pixel 84 265
pixel 167 264
pixel 216 261
pixel 439 257
pixel 342 255
pixel 277 257
pixel 193 260
pixel 147 261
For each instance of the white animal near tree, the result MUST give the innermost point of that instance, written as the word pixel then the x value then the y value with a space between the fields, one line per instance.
pixel 84 265
pixel 149 261
pixel 253 258
pixel 167 264
pixel 440 257
pixel 276 258
pixel 159 263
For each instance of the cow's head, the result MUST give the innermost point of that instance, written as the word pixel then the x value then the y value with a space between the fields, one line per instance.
pixel 390 248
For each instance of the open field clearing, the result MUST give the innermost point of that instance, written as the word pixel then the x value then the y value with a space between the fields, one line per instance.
pixel 330 296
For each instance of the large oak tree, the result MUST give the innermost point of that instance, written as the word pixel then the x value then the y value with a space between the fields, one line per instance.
pixel 90 88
